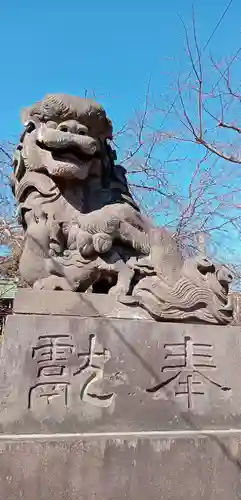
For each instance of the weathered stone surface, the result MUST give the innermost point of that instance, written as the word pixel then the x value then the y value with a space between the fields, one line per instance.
pixel 73 374
pixel 236 299
pixel 74 304
pixel 28 301
pixel 98 400
pixel 117 468
pixel 116 407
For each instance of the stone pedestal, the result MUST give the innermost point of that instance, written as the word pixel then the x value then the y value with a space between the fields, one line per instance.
pixel 98 401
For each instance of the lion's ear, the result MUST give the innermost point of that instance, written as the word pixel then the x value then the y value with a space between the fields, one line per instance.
pixel 31 112
pixel 25 114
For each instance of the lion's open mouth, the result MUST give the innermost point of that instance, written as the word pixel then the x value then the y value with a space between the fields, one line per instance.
pixel 71 156
pixel 68 155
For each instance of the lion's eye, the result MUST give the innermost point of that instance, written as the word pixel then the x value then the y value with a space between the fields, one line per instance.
pixel 81 129
pixel 63 128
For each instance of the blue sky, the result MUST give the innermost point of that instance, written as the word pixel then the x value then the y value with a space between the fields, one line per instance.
pixel 109 47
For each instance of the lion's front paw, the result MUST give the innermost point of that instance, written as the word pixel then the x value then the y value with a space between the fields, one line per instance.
pixel 84 243
pixel 52 283
pixel 102 242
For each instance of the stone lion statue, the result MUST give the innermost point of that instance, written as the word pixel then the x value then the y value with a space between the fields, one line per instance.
pixel 83 229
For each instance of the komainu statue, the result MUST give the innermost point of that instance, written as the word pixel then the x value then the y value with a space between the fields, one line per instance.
pixel 83 229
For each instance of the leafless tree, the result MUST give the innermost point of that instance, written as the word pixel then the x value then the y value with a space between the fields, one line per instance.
pixel 11 236
pixel 183 155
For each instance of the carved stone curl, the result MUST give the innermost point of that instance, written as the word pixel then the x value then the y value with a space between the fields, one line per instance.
pixel 84 231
